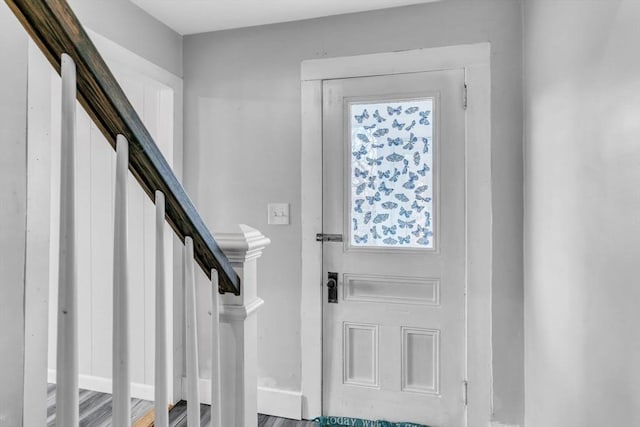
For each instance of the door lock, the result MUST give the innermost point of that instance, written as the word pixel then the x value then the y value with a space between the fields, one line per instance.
pixel 332 288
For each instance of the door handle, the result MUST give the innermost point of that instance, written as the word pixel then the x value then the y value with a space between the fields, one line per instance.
pixel 332 288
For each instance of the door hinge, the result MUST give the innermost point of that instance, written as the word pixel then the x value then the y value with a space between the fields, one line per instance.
pixel 465 98
pixel 465 392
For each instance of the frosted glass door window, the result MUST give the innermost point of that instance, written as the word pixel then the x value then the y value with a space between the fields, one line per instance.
pixel 391 163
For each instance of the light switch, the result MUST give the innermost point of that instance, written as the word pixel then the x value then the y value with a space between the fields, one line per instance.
pixel 278 213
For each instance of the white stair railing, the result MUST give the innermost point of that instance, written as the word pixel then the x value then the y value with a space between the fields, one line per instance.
pixel 67 339
pixel 121 356
pixel 161 367
pixel 216 400
pixel 240 355
pixel 191 331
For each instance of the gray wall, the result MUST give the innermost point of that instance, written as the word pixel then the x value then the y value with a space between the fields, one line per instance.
pixel 129 26
pixel 582 234
pixel 242 150
pixel 13 213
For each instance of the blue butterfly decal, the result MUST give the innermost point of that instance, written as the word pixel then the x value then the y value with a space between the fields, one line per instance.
pixel 411 110
pixel 380 218
pixel 405 239
pixel 417 231
pixel 360 188
pixel 385 174
pixel 384 189
pixel 376 162
pixel 422 189
pixel 370 127
pixel 405 213
pixel 423 241
pixel 361 152
pixel 371 183
pixel 381 132
pixel 367 217
pixel 355 224
pixel 397 124
pixel 394 157
pixel 361 239
pixel 360 173
pixel 409 185
pixel 406 224
pixel 389 230
pixel 390 241
pixel 406 166
pixel 373 199
pixel 392 111
pixel 413 123
pixel 425 149
pixel 424 170
pixel 389 205
pixel 416 158
pixel 358 207
pixel 422 198
pixel 394 141
pixel 402 198
pixel 424 120
pixel 362 137
pixel 396 174
pixel 374 232
pixel 378 117
pixel 361 117
pixel 411 142
pixel 377 145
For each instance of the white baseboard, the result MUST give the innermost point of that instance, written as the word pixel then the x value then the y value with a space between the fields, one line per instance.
pixel 103 385
pixel 496 424
pixel 280 403
pixel 271 401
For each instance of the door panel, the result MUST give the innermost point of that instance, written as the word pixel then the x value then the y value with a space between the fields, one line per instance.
pixel 393 186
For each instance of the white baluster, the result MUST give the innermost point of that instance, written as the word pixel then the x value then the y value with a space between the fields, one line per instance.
pixel 216 412
pixel 121 378
pixel 67 350
pixel 193 393
pixel 161 366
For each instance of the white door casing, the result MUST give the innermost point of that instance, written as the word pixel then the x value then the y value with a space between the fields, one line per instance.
pixel 393 183
pixel 475 60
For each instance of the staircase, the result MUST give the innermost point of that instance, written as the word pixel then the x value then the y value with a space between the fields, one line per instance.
pixel 86 78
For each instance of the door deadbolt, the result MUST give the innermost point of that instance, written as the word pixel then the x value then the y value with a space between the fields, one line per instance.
pixel 332 287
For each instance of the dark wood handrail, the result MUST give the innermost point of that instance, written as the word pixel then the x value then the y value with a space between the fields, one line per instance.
pixel 56 29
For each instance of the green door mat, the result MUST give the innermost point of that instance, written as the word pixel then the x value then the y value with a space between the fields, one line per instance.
pixel 356 422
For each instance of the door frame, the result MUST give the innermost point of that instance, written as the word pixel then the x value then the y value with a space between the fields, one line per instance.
pixel 475 60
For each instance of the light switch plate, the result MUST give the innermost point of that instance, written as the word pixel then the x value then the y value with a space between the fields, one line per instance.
pixel 278 213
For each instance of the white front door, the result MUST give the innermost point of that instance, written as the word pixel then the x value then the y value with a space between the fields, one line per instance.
pixel 394 188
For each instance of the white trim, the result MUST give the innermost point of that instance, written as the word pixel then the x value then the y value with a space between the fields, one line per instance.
pixel 408 61
pixel 271 401
pixel 238 313
pixel 104 385
pixel 475 59
pixel 279 403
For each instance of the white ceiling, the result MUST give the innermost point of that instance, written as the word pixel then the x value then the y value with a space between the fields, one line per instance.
pixel 199 16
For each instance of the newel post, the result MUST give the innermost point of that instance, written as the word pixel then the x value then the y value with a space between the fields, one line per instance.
pixel 239 334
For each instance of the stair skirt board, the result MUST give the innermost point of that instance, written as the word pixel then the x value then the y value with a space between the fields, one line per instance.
pixel 271 401
pixel 103 385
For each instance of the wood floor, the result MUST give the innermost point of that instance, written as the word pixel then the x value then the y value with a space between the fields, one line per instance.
pixel 95 408
pixel 95 411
